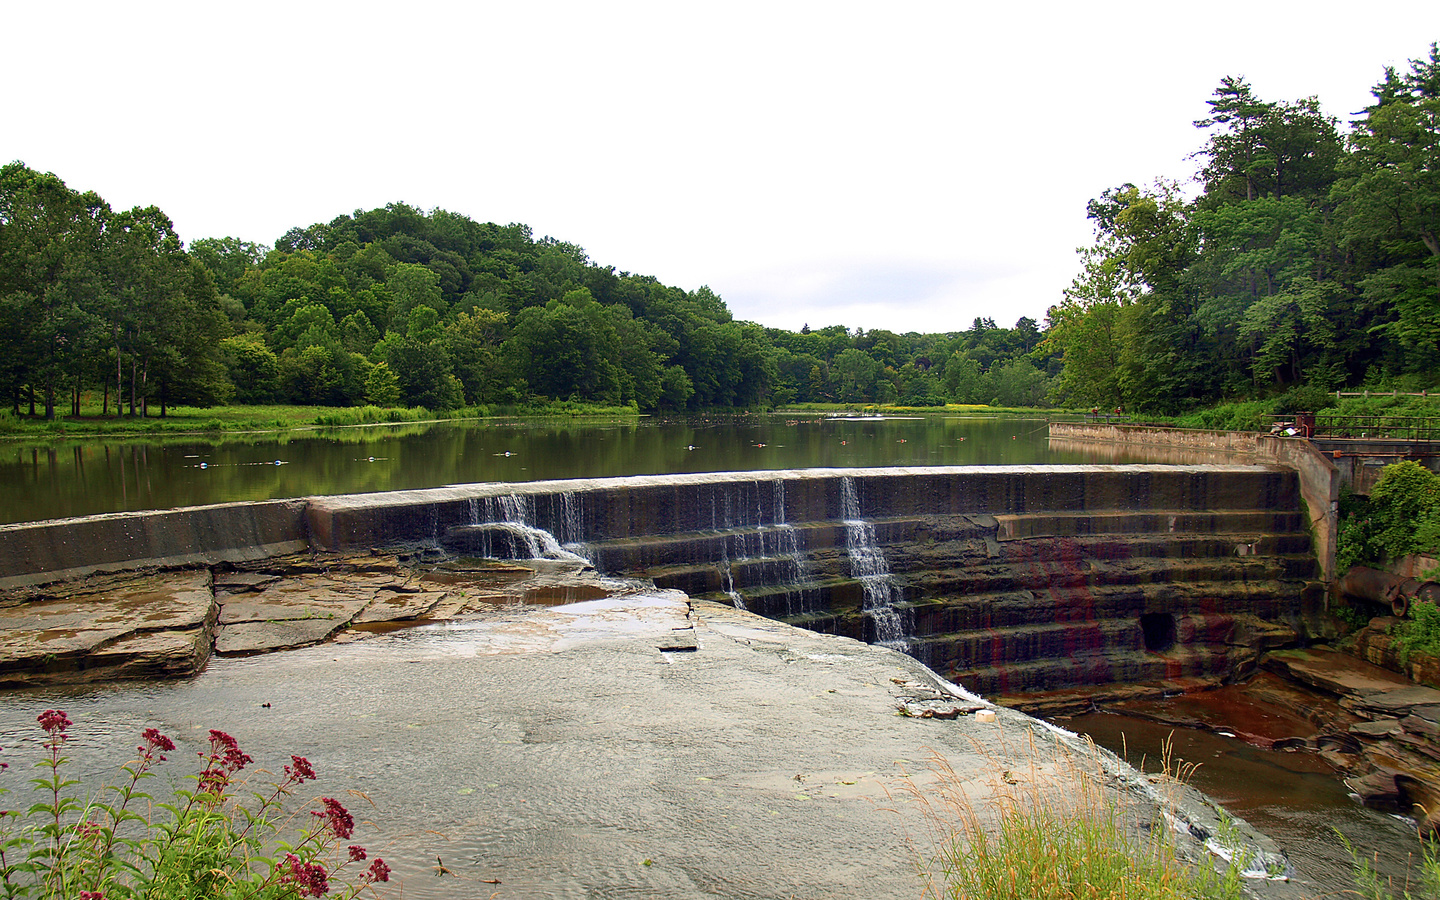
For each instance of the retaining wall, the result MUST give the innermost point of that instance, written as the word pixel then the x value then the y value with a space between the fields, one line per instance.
pixel 1319 476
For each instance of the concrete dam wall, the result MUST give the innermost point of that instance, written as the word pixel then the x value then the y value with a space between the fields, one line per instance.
pixel 1005 579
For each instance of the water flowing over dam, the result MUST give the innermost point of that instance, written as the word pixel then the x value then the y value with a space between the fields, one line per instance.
pixel 1004 579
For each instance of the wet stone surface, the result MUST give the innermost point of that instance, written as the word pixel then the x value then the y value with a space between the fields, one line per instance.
pixel 168 623
pixel 634 744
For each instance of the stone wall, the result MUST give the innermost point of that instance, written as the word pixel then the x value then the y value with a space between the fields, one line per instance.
pixel 1319 476
pixel 58 549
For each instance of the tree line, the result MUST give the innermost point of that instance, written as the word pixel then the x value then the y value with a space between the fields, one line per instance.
pixel 399 306
pixel 1309 261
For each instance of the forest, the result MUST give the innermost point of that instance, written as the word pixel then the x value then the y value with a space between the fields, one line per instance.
pixel 1306 259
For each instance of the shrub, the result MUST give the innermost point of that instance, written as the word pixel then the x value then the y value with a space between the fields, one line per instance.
pixel 204 842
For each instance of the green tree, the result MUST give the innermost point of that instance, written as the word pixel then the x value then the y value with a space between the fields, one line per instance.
pixel 1389 205
pixel 252 367
pixel 50 278
pixel 382 388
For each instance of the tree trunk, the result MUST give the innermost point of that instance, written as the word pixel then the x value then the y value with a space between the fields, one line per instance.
pixel 119 376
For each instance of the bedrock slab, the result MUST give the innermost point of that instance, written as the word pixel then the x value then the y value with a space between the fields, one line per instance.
pixel 106 627
pixel 577 751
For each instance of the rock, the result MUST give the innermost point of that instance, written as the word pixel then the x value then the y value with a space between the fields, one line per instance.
pixel 1337 673
pixel 1377 789
pixel 389 606
pixel 136 625
pixel 304 597
pixel 247 638
pixel 1376 729
pixel 240 582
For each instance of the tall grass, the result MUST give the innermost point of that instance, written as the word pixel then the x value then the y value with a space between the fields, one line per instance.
pixel 1055 829
pixel 1371 885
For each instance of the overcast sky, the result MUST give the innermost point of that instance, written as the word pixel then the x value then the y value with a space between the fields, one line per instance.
pixel 908 166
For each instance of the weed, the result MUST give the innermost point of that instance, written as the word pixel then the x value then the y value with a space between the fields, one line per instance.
pixel 1371 885
pixel 1054 831
pixel 204 842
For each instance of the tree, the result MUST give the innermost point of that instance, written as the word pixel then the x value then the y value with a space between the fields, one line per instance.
pixel 1389 205
pixel 253 368
pixel 50 277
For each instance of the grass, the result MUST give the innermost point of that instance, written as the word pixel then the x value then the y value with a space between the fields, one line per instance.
pixel 240 419
pixel 977 409
pixel 1054 830
pixel 1371 885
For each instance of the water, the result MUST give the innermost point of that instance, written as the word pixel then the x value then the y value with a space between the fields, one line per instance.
pixel 83 477
pixel 1294 797
pixel 867 564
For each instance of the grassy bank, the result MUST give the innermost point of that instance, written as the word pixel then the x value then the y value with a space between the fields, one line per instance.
pixel 961 409
pixel 223 419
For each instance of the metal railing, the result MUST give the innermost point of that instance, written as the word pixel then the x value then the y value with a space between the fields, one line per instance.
pixel 1392 428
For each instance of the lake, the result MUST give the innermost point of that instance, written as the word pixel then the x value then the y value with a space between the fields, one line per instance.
pixel 77 477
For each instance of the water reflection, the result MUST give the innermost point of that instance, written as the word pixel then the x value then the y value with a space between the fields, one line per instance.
pixel 1294 797
pixel 82 477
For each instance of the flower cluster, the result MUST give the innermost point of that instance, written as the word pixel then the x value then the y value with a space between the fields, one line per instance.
pixel 89 849
pixel 310 877
pixel 300 770
pixel 337 818
pixel 221 763
pixel 155 747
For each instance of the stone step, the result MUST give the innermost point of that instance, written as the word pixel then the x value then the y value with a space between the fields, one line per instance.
pixel 1057 575
pixel 957 613
pixel 1099 668
pixel 1071 524
pixel 974 537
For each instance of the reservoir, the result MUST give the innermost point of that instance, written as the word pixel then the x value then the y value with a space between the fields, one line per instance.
pixel 79 477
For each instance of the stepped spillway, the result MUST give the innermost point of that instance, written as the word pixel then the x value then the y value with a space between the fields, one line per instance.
pixel 1005 579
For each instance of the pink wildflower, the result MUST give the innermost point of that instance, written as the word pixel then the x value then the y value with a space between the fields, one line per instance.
pixel 311 878
pixel 54 721
pixel 357 854
pixel 337 818
pixel 378 870
pixel 301 771
pixel 154 741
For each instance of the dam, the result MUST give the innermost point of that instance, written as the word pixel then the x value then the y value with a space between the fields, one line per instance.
pixel 1004 579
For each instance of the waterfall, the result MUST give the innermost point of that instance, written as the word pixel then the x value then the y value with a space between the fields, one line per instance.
pixel 756 552
pixel 512 516
pixel 867 565
pixel 572 525
pixel 793 569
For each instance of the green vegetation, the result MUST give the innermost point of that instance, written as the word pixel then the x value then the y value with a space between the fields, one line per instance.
pixel 395 307
pixel 1400 518
pixel 1371 885
pixel 120 843
pixel 239 419
pixel 1055 836
pixel 1309 263
pixel 1309 259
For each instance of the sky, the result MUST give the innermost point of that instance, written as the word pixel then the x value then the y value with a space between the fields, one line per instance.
pixel 909 166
